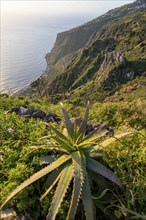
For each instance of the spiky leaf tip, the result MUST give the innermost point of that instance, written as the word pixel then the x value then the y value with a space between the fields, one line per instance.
pixel 82 128
pixel 102 170
pixel 68 123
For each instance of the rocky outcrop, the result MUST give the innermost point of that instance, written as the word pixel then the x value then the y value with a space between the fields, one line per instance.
pixel 35 113
pixel 115 70
pixel 115 57
pixel 51 117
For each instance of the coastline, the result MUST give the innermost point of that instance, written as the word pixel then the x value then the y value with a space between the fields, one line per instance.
pixel 26 91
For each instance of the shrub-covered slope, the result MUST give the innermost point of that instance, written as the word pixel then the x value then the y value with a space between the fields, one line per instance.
pixel 78 54
pixel 19 160
pixel 76 38
pixel 115 55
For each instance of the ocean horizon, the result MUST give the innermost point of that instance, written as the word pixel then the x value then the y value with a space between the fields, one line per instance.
pixel 24 46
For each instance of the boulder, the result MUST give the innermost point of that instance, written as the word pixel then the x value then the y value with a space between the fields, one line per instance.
pixel 89 128
pixel 38 114
pixel 51 117
pixel 29 111
pixel 22 110
pixel 103 129
pixel 19 110
pixel 35 113
pixel 15 109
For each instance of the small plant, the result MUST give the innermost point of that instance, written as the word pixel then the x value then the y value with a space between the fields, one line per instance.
pixel 75 162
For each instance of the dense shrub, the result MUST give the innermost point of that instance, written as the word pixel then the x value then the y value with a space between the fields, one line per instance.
pixel 126 158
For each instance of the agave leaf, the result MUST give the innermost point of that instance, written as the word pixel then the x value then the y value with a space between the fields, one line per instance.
pixel 69 125
pixel 52 184
pixel 90 144
pixel 97 153
pixel 53 179
pixel 112 139
pixel 57 148
pixel 44 137
pixel 82 128
pixel 63 184
pixel 53 147
pixel 78 184
pixel 53 175
pixel 87 143
pixel 61 135
pixel 65 145
pixel 102 170
pixel 91 140
pixel 37 176
pixel 87 200
pixel 75 133
pixel 96 134
pixel 79 139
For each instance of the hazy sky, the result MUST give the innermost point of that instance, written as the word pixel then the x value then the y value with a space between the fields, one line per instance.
pixel 96 7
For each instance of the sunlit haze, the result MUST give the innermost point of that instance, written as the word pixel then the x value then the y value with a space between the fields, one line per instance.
pixel 59 7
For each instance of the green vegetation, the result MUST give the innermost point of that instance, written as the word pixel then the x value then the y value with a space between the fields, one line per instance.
pixel 24 152
pixel 79 63
pixel 77 175
pixel 125 34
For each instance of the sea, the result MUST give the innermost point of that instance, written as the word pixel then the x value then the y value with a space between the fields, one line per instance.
pixel 28 37
pixel 24 44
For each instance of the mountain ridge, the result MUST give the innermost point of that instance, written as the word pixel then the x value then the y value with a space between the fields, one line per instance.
pixel 120 29
pixel 87 65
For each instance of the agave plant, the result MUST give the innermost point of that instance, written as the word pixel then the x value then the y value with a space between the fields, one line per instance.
pixel 76 162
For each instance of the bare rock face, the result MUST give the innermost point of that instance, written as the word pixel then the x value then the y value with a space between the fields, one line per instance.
pixel 115 70
pixel 115 57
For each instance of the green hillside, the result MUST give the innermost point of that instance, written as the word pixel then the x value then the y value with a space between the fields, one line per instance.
pixel 78 54
pixel 126 35
pixel 104 62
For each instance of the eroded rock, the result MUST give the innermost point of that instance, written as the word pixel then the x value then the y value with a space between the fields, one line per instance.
pixel 35 113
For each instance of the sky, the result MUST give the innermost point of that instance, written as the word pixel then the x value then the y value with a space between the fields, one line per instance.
pixel 96 7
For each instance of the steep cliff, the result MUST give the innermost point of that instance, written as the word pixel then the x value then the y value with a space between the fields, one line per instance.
pixel 115 55
pixel 76 38
pixel 101 54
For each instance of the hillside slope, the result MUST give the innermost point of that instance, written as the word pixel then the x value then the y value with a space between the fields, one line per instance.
pixel 115 55
pixel 70 41
pixel 109 51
